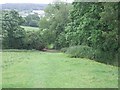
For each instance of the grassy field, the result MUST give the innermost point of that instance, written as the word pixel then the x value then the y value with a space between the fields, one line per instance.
pixel 35 69
pixel 27 28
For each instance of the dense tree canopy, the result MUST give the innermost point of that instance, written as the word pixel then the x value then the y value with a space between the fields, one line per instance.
pixel 31 20
pixel 13 34
pixel 55 20
pixel 95 25
pixel 90 24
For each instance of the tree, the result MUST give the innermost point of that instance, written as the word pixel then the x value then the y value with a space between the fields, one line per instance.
pixel 32 20
pixel 95 25
pixel 13 34
pixel 34 40
pixel 55 20
pixel 0 30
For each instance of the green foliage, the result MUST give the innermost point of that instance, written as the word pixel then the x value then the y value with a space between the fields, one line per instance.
pixel 94 25
pixel 55 20
pixel 31 20
pixel 34 40
pixel 13 34
pixel 80 52
pixel 0 30
pixel 48 36
pixel 15 37
pixel 83 51
pixel 44 23
pixel 61 41
pixel 90 30
pixel 64 50
pixel 50 46
pixel 106 57
pixel 33 23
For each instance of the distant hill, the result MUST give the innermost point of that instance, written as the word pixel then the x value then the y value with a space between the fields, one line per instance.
pixel 23 6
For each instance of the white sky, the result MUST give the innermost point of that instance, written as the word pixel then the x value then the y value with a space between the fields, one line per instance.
pixel 30 1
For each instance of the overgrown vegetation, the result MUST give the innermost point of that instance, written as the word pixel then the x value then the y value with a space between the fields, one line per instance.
pixel 95 25
pixel 31 20
pixel 81 52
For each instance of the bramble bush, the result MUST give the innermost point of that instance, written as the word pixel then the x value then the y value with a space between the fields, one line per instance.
pixel 80 52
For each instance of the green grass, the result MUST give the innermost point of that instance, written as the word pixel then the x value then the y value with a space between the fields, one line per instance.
pixel 28 28
pixel 35 69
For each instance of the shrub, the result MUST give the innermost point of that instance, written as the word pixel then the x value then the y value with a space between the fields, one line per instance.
pixel 64 50
pixel 34 40
pixel 33 23
pixel 80 52
pixel 107 57
pixel 98 55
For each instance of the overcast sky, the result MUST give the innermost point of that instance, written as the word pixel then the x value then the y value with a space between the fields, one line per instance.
pixel 30 1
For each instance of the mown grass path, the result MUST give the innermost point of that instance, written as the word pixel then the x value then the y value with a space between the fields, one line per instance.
pixel 34 69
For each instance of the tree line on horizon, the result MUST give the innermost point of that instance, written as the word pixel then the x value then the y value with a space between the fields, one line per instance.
pixel 22 6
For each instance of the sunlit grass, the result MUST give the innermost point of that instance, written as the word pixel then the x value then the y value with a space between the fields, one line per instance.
pixel 35 69
pixel 28 28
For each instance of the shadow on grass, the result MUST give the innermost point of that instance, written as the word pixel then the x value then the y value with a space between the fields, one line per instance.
pixel 18 50
pixel 32 50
